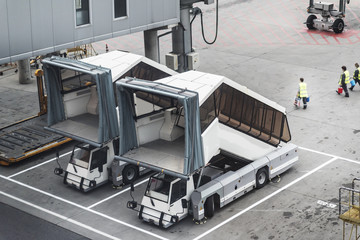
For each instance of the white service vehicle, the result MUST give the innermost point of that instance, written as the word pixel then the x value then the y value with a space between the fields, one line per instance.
pixel 210 139
pixel 82 106
pixel 331 19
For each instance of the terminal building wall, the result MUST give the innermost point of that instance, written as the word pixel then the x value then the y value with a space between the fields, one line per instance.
pixel 37 27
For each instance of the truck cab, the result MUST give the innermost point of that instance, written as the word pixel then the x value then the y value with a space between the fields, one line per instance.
pixel 88 165
pixel 168 193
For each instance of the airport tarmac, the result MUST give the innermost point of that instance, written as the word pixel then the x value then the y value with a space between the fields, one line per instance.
pixel 265 46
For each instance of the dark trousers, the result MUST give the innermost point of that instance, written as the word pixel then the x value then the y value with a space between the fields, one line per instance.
pixel 344 86
pixel 357 81
pixel 304 101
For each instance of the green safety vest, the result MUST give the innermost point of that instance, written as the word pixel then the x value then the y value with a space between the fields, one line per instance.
pixel 356 78
pixel 347 77
pixel 303 91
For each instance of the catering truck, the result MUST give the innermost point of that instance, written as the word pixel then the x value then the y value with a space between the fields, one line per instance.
pixel 82 106
pixel 209 139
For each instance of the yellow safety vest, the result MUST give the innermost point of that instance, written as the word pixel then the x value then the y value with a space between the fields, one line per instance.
pixel 303 91
pixel 347 77
pixel 356 78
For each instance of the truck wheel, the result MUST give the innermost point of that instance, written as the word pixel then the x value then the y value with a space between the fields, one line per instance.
pixel 209 207
pixel 338 25
pixel 310 22
pixel 261 178
pixel 130 173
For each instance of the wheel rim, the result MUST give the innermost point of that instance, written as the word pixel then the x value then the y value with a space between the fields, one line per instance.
pixel 341 26
pixel 130 174
pixel 262 178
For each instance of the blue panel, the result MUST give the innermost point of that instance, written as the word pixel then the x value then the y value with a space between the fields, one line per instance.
pixel 41 20
pixel 19 26
pixel 4 36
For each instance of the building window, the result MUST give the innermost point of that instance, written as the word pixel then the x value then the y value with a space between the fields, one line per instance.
pixel 120 9
pixel 82 12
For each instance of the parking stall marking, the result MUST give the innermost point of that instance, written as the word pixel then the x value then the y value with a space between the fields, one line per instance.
pixel 60 216
pixel 266 198
pixel 89 208
pixel 82 207
pixel 116 194
pixel 40 164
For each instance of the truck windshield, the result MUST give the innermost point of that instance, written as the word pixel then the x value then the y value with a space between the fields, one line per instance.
pixel 159 187
pixel 81 158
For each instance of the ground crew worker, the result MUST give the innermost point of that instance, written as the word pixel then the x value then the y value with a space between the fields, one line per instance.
pixel 344 79
pixel 356 76
pixel 302 93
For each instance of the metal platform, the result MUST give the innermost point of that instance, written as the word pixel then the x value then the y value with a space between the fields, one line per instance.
pixel 167 155
pixel 26 138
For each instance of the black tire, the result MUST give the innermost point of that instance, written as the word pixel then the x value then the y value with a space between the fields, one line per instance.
pixel 338 25
pixel 209 207
pixel 262 177
pixel 130 173
pixel 310 22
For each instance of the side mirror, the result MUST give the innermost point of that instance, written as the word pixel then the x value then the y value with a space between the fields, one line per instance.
pixel 100 168
pixel 184 203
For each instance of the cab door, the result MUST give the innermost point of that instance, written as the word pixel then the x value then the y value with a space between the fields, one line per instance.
pixel 178 192
pixel 98 168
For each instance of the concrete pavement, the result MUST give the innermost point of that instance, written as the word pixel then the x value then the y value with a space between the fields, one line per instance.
pixel 265 46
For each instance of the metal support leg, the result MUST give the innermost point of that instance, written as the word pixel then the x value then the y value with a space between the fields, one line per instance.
pixel 24 71
pixel 182 38
pixel 151 45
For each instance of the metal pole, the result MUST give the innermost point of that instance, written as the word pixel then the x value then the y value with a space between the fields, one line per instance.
pixel 342 7
pixel 181 38
pixel 24 71
pixel 151 45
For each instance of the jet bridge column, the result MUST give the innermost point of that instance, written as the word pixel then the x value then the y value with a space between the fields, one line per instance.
pixel 24 71
pixel 181 38
pixel 181 34
pixel 151 43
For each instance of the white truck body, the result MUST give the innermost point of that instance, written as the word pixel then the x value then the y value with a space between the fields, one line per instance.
pixel 211 140
pixel 83 91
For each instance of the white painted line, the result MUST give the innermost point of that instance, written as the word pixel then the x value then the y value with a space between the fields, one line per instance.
pixel 266 198
pixel 349 160
pixel 82 207
pixel 38 165
pixel 60 216
pixel 314 151
pixel 125 190
pixel 330 155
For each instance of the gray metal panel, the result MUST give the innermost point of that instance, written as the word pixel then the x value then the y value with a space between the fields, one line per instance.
pixel 138 12
pixel 4 36
pixel 172 10
pixel 259 163
pixel 64 23
pixel 37 27
pixel 19 27
pixel 102 17
pixel 41 21
pixel 156 12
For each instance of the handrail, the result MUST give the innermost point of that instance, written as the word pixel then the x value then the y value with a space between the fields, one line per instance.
pixel 351 191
